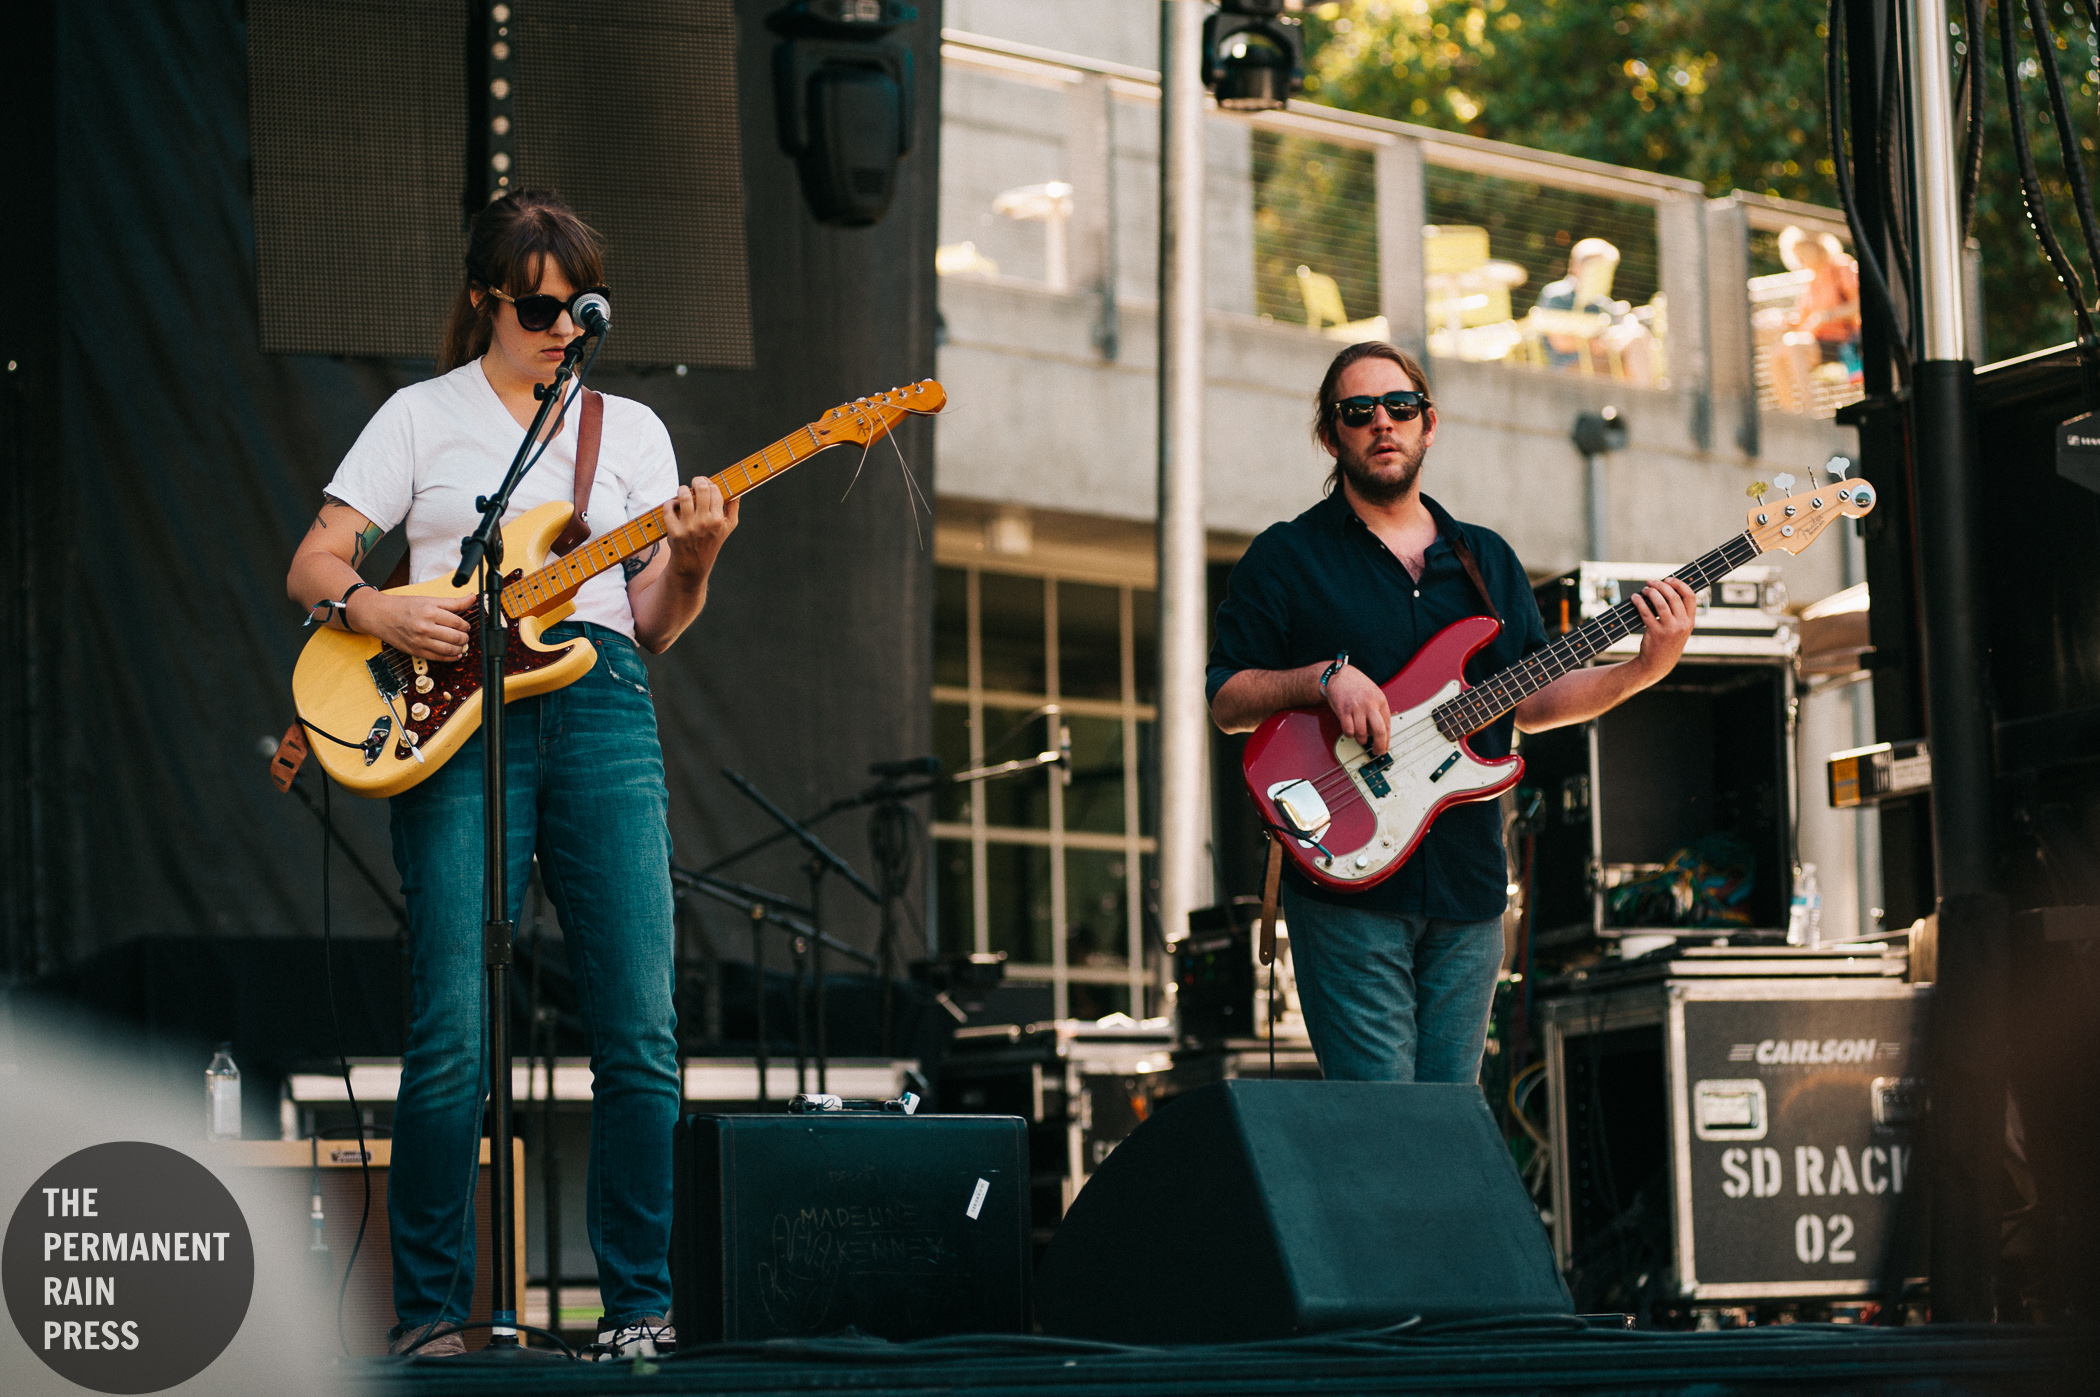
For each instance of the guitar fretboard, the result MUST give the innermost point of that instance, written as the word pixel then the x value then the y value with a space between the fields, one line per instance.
pixel 1484 703
pixel 565 574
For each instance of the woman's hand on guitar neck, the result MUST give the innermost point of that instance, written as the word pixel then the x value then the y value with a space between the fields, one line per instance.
pixel 1360 707
pixel 428 628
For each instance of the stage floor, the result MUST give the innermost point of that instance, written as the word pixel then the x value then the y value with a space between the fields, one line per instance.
pixel 1554 1355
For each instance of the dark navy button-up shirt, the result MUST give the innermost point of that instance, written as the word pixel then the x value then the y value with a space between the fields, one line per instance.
pixel 1324 583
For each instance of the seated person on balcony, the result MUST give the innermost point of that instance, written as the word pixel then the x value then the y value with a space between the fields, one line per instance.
pixel 1586 287
pixel 1829 305
pixel 1396 979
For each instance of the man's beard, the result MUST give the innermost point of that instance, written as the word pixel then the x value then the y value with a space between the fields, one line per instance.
pixel 1370 486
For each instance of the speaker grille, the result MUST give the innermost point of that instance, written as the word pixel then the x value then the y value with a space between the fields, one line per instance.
pixel 358 114
pixel 360 118
pixel 629 111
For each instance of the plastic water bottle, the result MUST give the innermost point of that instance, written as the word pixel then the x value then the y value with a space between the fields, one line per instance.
pixel 222 1096
pixel 1804 922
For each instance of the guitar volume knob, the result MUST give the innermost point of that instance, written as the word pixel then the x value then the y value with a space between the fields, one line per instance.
pixel 419 711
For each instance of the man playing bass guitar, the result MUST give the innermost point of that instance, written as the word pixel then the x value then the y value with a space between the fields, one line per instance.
pixel 1396 979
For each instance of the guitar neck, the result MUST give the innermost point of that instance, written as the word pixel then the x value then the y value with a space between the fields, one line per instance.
pixel 561 577
pixel 1484 703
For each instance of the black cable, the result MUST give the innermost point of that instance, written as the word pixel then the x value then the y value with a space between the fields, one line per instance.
pixel 440 1331
pixel 1863 249
pixel 2066 138
pixel 1889 146
pixel 364 1153
pixel 1972 83
pixel 2031 180
pixel 340 742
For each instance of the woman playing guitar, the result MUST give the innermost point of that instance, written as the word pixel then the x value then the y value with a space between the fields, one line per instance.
pixel 586 781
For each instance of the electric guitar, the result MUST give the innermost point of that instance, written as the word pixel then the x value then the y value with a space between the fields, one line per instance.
pixel 409 715
pixel 1348 819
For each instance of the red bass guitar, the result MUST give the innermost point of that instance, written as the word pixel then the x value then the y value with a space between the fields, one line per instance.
pixel 1353 818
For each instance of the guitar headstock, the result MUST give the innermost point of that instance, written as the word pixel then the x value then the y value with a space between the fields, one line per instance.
pixel 1795 522
pixel 869 419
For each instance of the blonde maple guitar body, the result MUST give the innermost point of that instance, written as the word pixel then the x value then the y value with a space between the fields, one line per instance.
pixel 408 716
pixel 362 691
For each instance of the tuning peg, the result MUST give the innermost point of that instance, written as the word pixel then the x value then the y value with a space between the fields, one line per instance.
pixel 1783 481
pixel 1757 490
pixel 1838 466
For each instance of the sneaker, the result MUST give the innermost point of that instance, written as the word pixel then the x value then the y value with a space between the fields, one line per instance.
pixel 651 1336
pixel 446 1344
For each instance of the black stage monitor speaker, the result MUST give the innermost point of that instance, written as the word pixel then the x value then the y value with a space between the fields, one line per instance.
pixel 904 1227
pixel 1263 1209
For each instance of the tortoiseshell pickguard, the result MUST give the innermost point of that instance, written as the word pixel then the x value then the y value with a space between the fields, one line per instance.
pixel 453 684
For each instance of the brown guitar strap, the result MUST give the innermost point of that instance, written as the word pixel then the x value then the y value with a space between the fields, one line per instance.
pixel 589 428
pixel 1465 560
pixel 1271 883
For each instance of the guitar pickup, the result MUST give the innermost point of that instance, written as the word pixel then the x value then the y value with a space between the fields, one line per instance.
pixel 1449 762
pixel 1373 774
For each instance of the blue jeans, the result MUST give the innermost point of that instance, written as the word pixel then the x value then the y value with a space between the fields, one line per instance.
pixel 586 793
pixel 1390 997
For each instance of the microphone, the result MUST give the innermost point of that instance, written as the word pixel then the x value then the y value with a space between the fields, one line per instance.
pixel 592 311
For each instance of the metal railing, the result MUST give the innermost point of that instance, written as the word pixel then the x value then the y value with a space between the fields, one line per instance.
pixel 1451 245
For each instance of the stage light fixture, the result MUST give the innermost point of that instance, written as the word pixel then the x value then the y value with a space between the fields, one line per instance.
pixel 1254 54
pixel 843 92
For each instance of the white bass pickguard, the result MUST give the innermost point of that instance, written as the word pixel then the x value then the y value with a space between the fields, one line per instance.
pixel 1427 768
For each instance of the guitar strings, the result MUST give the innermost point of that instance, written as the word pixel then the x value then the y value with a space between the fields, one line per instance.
pixel 1407 744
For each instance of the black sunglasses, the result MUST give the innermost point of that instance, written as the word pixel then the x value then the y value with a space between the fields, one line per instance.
pixel 538 313
pixel 1401 407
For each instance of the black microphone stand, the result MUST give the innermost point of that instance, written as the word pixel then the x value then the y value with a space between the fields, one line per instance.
pixel 484 549
pixel 821 862
pixel 765 908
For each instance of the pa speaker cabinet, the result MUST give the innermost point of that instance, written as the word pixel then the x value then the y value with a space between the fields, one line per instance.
pixel 904 1227
pixel 368 1303
pixel 1263 1209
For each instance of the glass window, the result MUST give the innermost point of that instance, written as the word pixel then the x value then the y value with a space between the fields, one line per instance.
pixel 951 627
pixel 951 743
pixel 1144 632
pixel 1020 801
pixel 957 892
pixel 1094 800
pixel 1024 830
pixel 1097 908
pixel 1147 764
pixel 1089 641
pixel 1010 611
pixel 1017 882
pixel 1086 1001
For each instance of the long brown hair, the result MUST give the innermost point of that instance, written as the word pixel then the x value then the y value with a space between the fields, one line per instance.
pixel 507 246
pixel 1330 392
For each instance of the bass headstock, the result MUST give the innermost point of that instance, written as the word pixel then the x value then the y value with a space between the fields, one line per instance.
pixel 1795 522
pixel 868 419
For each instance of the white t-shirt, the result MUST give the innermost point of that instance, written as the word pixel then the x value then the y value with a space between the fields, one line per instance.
pixel 436 445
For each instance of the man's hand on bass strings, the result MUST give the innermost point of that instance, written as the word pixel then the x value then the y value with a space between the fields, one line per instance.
pixel 1668 610
pixel 1360 707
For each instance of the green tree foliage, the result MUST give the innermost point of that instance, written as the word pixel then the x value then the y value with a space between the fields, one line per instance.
pixel 1728 93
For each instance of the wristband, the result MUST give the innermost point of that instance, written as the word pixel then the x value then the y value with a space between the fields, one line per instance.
pixel 342 605
pixel 1340 661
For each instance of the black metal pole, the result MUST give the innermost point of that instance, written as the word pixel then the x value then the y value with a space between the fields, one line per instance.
pixel 496 947
pixel 758 991
pixel 1966 1049
pixel 816 961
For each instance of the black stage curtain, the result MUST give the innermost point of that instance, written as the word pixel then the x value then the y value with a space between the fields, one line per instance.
pixel 164 467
